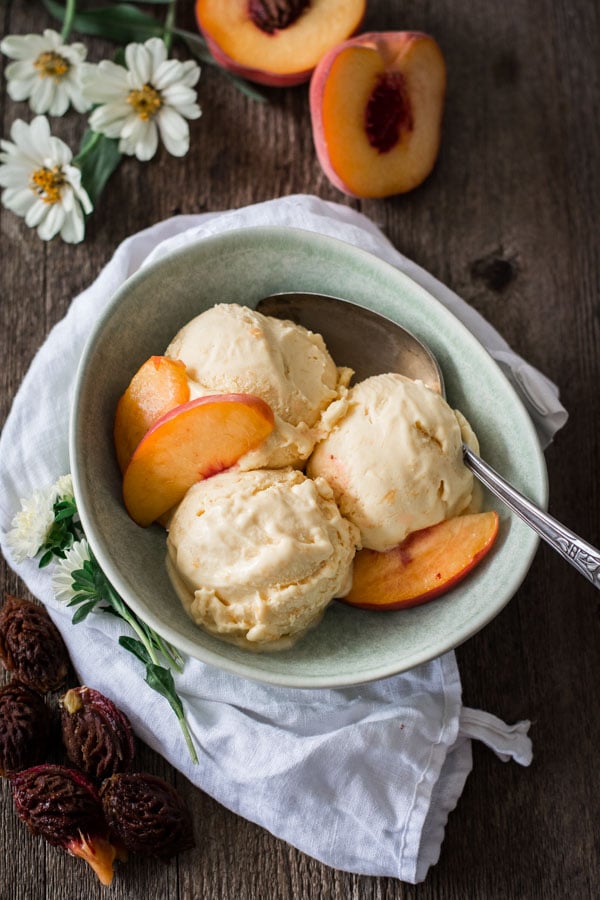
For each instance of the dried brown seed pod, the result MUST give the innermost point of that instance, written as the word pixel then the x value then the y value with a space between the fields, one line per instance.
pixel 63 806
pixel 25 727
pixel 31 646
pixel 147 815
pixel 98 737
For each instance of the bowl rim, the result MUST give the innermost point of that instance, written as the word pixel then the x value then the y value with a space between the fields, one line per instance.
pixel 205 654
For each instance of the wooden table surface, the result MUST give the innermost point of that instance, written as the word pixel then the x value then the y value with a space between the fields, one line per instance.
pixel 510 219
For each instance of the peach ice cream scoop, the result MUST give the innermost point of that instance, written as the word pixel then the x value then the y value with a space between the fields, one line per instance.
pixel 234 349
pixel 257 556
pixel 394 460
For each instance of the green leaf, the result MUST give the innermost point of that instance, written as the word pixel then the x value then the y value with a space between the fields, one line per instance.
pixel 46 559
pixel 122 24
pixel 98 158
pixel 80 598
pixel 136 647
pixel 83 612
pixel 161 681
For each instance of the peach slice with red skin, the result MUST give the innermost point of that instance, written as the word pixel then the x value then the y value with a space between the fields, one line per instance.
pixel 158 386
pixel 190 443
pixel 428 563
pixel 276 42
pixel 376 104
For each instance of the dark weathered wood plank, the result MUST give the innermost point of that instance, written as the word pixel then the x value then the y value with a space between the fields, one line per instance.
pixel 509 219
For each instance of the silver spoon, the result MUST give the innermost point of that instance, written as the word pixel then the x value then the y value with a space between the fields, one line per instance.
pixel 372 344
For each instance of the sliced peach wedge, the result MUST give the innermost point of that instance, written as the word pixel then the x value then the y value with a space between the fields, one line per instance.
pixel 275 42
pixel 158 386
pixel 425 565
pixel 376 104
pixel 188 444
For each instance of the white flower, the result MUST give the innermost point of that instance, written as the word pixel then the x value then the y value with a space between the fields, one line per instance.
pixel 62 576
pixel 63 487
pixel 45 71
pixel 40 183
pixel 31 524
pixel 152 95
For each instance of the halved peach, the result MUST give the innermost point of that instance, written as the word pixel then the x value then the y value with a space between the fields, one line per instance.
pixel 425 565
pixel 189 443
pixel 159 385
pixel 276 42
pixel 376 104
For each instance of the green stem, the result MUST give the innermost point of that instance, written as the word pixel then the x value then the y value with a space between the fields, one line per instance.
pixel 118 604
pixel 170 653
pixel 92 143
pixel 188 739
pixel 70 10
pixel 169 25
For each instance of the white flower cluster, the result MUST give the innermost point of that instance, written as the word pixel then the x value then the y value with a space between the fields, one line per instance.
pixel 31 525
pixel 151 96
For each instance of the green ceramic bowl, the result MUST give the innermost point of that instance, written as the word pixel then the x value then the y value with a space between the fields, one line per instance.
pixel 351 645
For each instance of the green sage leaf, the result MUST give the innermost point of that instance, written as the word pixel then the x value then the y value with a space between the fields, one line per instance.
pixel 121 24
pixel 83 612
pixel 136 647
pixel 98 158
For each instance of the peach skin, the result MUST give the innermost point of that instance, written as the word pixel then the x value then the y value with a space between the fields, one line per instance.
pixel 276 43
pixel 189 443
pixel 376 104
pixel 425 565
pixel 159 385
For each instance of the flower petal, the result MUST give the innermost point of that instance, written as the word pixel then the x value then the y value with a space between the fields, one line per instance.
pixel 105 82
pixel 36 213
pixel 174 131
pixel 42 95
pixel 18 199
pixel 139 63
pixel 167 74
pixel 179 94
pixel 157 50
pixel 23 46
pixel 52 223
pixel 110 119
pixel 20 70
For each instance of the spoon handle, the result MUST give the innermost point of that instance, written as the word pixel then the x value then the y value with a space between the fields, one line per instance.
pixel 583 556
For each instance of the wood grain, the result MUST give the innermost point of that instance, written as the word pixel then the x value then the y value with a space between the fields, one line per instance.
pixel 510 219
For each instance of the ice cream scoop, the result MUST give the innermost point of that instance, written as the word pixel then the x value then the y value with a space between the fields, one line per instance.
pixel 256 556
pixel 230 349
pixel 402 352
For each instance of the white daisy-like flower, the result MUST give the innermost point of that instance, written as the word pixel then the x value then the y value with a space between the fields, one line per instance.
pixel 62 576
pixel 45 71
pixel 40 183
pixel 153 95
pixel 63 487
pixel 30 526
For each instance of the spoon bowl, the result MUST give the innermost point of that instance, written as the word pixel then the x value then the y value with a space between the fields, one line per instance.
pixel 357 337
pixel 372 344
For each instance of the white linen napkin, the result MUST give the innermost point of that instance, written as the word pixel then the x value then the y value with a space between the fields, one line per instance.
pixel 361 778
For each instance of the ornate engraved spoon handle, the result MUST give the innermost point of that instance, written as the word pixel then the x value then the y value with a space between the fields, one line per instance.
pixel 583 556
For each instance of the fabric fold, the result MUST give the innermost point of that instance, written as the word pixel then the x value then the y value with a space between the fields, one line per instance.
pixel 363 778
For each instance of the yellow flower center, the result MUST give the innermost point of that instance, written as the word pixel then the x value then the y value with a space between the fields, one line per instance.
pixel 146 102
pixel 52 65
pixel 47 184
